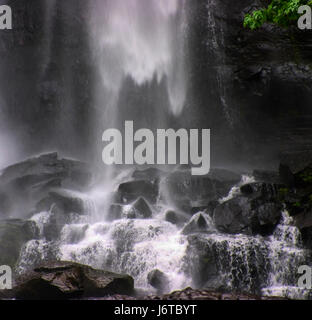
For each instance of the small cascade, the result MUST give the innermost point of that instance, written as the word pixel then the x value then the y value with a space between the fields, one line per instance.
pixel 201 257
pixel 136 247
pixel 238 262
pixel 235 190
pixel 41 219
pixel 35 252
pixel 286 256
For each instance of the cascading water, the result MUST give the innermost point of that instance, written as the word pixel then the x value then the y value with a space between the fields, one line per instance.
pixel 254 264
pixel 140 40
pixel 135 247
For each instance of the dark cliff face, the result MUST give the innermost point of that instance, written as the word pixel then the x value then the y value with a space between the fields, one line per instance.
pixel 252 88
pixel 46 76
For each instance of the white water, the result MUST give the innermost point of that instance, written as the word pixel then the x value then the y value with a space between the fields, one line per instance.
pixel 137 246
pixel 134 247
pixel 286 254
pixel 235 190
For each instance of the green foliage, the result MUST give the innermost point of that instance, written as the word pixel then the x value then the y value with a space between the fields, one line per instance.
pixel 283 13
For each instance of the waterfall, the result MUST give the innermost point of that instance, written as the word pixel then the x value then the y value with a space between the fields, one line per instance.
pixel 140 40
pixel 211 259
pixel 138 48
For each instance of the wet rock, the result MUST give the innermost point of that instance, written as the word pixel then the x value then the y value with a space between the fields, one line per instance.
pixel 73 173
pixel 25 183
pixel 158 280
pixel 268 213
pixel 202 260
pixel 67 280
pixel 5 206
pixel 209 208
pixel 193 294
pixel 303 220
pixel 151 174
pixel 261 191
pixel 286 176
pixel 198 223
pixel 14 233
pixel 171 217
pixel 187 191
pixel 297 196
pixel 140 209
pixel 62 201
pixel 175 218
pixel 115 212
pixel 130 191
pixel 266 176
pixel 242 215
pixel 64 207
pixel 296 161
pixel 233 216
pixel 226 262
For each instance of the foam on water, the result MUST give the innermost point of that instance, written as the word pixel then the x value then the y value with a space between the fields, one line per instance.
pixel 235 190
pixel 256 264
pixel 41 219
pixel 135 247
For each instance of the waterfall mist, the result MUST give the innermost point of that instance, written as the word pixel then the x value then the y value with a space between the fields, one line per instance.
pixel 140 40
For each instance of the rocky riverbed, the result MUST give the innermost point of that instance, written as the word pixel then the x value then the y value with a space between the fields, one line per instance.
pixel 226 233
pixel 68 280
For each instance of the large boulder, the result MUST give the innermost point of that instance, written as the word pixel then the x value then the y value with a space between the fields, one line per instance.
pixel 186 191
pixel 14 233
pixel 132 190
pixel 140 209
pixel 248 215
pixel 297 196
pixel 260 191
pixel 67 280
pixel 266 176
pixel 200 222
pixel 62 201
pixel 158 280
pixel 234 216
pixel 25 183
pixel 62 207
pixel 175 217
pixel 226 262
